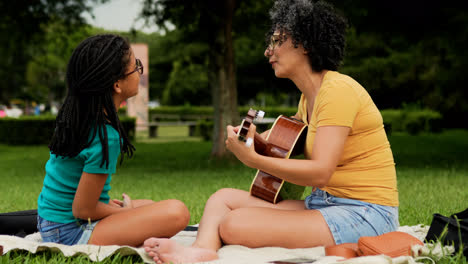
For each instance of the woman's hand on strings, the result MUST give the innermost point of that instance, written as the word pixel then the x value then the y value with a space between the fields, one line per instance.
pixel 244 151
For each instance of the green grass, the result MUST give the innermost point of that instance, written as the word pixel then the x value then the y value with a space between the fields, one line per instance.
pixel 432 172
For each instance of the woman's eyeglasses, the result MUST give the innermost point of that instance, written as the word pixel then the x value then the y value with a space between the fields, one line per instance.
pixel 138 67
pixel 274 41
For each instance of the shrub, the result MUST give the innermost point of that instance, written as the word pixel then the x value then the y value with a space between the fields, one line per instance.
pixel 409 120
pixel 412 121
pixel 204 129
pixel 270 111
pixel 206 112
pixel 128 124
pixel 395 120
pixel 35 130
pixel 27 130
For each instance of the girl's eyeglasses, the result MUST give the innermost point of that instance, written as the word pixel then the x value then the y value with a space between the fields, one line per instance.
pixel 138 68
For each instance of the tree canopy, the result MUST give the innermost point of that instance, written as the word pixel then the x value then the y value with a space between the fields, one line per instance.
pixel 406 54
pixel 22 28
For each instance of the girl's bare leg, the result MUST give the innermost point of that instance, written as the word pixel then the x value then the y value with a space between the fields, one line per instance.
pixel 148 219
pixel 228 211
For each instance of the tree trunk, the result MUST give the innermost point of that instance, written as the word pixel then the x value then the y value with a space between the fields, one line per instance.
pixel 223 81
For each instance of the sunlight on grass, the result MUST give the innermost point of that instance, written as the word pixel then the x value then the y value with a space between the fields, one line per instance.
pixel 428 183
pixel 166 134
pixel 431 168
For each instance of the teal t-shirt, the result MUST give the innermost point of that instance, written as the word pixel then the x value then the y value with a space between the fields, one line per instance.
pixel 63 175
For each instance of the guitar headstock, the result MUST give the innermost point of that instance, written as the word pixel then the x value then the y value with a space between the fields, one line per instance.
pixel 252 115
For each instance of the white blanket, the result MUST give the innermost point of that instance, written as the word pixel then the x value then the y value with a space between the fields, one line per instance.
pixel 227 254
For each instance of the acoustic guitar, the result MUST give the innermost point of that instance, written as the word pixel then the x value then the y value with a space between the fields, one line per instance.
pixel 286 138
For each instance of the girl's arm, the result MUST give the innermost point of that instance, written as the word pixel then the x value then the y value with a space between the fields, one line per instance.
pixel 86 203
pixel 327 150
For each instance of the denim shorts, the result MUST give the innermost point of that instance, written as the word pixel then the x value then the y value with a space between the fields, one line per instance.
pixel 350 219
pixel 75 233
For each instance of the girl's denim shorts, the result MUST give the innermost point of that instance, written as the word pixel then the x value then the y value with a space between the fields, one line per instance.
pixel 350 219
pixel 75 233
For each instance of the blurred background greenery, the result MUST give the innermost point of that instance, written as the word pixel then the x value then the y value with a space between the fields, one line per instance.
pixel 406 54
pixel 411 56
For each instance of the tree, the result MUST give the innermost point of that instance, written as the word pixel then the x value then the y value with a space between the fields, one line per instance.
pixel 217 23
pixel 45 71
pixel 178 70
pixel 405 53
pixel 22 25
pixel 208 21
pixel 410 53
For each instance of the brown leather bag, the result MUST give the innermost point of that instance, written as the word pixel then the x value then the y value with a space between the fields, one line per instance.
pixel 346 250
pixel 392 244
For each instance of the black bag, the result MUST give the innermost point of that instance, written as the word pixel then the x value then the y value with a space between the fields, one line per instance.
pixel 19 223
pixel 23 223
pixel 455 229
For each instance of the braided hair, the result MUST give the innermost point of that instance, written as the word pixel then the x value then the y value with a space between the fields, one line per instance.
pixel 317 26
pixel 95 65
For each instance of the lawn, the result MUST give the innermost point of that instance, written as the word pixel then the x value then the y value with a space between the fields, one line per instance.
pixel 432 173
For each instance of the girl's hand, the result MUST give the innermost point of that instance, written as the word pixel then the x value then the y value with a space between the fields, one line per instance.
pixel 243 152
pixel 116 203
pixel 126 201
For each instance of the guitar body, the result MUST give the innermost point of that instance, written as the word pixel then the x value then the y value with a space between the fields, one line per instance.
pixel 286 138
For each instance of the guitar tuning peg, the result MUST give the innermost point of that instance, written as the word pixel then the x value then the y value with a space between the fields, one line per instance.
pixel 260 115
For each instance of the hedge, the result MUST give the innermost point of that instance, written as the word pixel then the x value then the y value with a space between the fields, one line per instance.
pixel 395 120
pixel 32 130
pixel 206 112
pixel 27 130
pixel 412 121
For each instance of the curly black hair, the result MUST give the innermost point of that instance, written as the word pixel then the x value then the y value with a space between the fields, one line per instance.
pixel 318 27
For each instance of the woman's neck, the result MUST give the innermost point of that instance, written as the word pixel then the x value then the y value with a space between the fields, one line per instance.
pixel 309 83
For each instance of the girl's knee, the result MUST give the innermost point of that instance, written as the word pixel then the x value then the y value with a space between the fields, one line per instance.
pixel 178 212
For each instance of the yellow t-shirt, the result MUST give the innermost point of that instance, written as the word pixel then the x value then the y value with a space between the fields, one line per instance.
pixel 366 171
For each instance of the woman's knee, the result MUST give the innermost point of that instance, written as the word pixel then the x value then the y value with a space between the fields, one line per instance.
pixel 229 196
pixel 233 226
pixel 222 194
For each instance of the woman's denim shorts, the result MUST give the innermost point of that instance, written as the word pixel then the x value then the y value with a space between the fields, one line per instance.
pixel 75 233
pixel 350 219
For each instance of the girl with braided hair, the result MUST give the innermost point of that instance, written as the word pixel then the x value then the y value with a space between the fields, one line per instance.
pixel 349 163
pixel 74 206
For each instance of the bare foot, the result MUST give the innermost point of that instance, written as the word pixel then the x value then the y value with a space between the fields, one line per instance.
pixel 164 250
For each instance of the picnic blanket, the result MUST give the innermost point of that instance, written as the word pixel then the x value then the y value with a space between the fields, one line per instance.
pixel 231 254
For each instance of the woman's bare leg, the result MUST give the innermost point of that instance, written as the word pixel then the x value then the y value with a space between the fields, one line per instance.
pixel 261 227
pixel 147 219
pixel 220 220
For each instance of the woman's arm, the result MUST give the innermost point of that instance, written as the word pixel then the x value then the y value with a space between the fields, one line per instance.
pixel 86 203
pixel 327 150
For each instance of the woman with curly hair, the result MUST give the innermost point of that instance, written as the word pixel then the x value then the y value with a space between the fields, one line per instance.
pixel 348 162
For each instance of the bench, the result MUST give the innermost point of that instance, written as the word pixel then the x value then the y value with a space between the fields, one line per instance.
pixel 157 122
pixel 153 126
